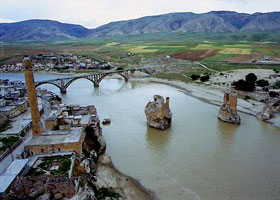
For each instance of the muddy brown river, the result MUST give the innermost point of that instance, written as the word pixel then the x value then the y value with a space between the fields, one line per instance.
pixel 199 157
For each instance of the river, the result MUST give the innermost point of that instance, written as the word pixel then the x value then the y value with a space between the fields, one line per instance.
pixel 199 157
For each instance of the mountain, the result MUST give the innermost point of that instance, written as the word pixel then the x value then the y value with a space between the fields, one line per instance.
pixel 40 30
pixel 188 22
pixel 215 22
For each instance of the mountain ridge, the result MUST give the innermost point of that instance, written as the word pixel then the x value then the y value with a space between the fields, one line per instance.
pixel 185 22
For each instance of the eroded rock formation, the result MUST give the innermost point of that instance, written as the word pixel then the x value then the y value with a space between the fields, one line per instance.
pixel 228 112
pixel 158 113
pixel 271 108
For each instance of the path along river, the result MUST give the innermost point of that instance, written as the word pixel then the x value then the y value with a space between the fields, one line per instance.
pixel 199 157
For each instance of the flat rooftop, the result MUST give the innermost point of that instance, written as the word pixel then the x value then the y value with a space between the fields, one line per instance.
pixel 58 137
pixel 17 128
pixel 11 173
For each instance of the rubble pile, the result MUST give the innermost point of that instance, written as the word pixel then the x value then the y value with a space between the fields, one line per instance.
pixel 271 108
pixel 43 187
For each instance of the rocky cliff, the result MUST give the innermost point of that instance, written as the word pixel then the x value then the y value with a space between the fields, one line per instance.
pixel 158 113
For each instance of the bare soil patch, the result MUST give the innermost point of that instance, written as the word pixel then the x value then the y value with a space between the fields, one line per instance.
pixel 245 58
pixel 267 47
pixel 276 57
pixel 195 55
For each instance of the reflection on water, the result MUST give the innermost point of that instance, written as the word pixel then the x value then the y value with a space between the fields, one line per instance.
pixel 198 157
pixel 225 133
pixel 157 140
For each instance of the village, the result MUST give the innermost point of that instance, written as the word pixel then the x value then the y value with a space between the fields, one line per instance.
pixel 53 62
pixel 46 146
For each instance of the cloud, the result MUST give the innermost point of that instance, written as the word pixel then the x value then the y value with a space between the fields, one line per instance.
pixel 92 13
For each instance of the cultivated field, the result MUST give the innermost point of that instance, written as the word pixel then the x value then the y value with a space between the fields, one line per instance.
pixel 174 51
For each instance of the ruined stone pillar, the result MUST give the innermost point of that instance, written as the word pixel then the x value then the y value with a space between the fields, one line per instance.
pixel 37 127
pixel 228 110
pixel 233 102
pixel 167 102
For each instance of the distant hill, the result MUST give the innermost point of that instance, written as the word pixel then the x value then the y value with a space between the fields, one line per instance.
pixel 212 22
pixel 215 22
pixel 40 30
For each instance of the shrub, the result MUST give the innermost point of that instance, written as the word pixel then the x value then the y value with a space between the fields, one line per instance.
pixel 204 78
pixel 251 77
pixel 273 94
pixel 262 83
pixel 195 77
pixel 277 84
pixel 244 85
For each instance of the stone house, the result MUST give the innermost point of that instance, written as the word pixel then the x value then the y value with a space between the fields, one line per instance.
pixel 56 142
pixel 14 109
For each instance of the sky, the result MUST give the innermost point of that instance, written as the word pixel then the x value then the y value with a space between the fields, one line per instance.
pixel 93 13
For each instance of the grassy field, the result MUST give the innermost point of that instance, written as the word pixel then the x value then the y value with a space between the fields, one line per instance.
pixel 7 142
pixel 56 165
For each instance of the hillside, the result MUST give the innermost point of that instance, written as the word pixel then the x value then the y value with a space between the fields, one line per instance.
pixel 40 30
pixel 187 22
pixel 215 22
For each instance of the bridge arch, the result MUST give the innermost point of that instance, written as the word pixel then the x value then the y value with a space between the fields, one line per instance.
pixel 74 79
pixel 47 82
pixel 103 76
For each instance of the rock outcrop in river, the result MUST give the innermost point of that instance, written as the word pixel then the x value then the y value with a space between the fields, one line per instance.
pixel 158 113
pixel 228 112
pixel 271 108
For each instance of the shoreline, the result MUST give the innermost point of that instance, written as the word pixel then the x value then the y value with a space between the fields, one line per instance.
pixel 128 187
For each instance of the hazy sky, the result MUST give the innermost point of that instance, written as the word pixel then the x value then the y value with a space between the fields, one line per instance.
pixel 92 13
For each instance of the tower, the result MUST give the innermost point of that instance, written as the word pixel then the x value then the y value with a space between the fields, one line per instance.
pixel 37 127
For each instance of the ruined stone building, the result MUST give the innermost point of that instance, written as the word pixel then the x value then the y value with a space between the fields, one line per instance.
pixel 228 111
pixel 158 113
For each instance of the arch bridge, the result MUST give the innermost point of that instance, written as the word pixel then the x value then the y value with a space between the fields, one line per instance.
pixel 96 78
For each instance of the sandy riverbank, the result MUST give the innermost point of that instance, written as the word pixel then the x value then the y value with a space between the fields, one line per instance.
pixel 108 176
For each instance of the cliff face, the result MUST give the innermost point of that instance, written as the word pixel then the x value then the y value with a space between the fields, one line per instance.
pixel 228 112
pixel 158 113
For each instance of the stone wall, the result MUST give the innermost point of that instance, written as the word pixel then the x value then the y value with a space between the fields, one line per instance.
pixel 50 123
pixel 50 149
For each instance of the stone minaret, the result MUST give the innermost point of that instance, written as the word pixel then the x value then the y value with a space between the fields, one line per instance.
pixel 37 127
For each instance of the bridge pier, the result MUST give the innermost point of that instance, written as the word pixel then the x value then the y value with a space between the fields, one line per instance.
pixel 96 84
pixel 63 91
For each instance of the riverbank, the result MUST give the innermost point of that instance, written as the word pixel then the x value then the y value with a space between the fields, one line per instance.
pixel 108 176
